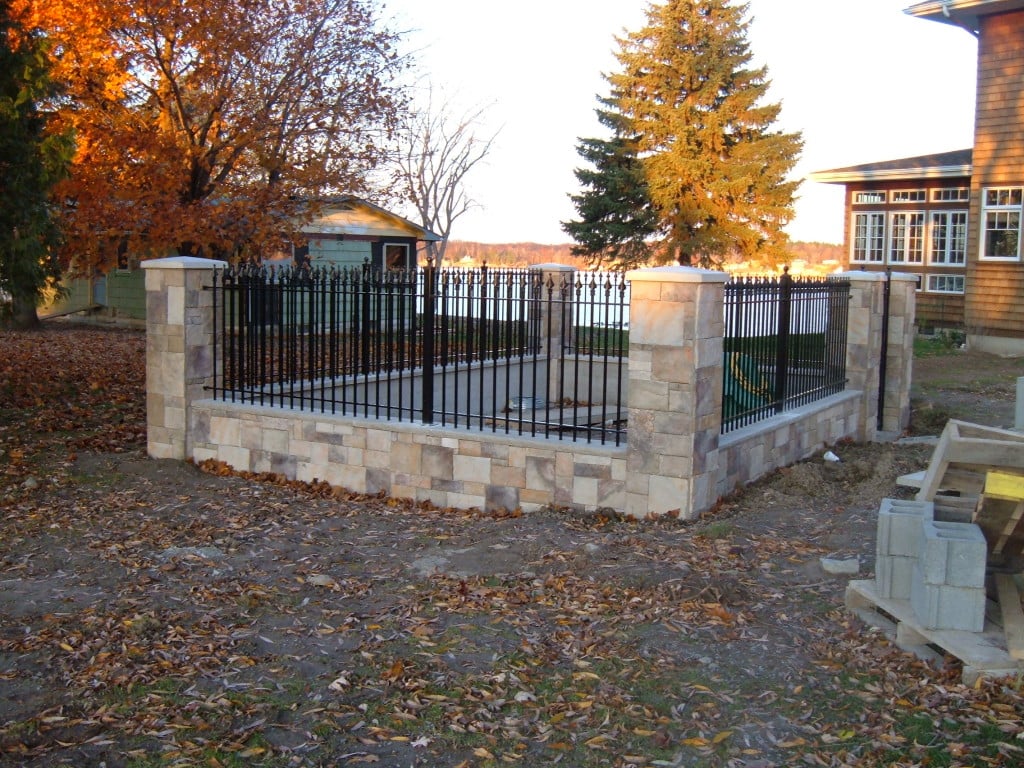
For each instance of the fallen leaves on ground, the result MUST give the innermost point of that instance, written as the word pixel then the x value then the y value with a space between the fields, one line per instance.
pixel 158 613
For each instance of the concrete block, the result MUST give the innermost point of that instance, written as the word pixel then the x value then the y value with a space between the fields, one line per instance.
pixel 941 606
pixel 899 526
pixel 953 554
pixel 894 576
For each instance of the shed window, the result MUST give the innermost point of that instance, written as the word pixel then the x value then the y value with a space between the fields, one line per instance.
pixel 396 256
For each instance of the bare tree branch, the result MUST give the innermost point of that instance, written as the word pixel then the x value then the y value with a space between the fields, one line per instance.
pixel 436 151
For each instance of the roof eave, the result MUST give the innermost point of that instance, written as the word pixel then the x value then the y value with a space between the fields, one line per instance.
pixel 962 13
pixel 893 174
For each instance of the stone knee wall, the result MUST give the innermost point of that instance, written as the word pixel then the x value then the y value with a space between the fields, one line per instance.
pixel 445 467
pixel 676 460
pixel 754 451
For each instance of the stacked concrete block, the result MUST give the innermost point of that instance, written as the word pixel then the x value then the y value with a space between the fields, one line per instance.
pixel 948 588
pixel 898 545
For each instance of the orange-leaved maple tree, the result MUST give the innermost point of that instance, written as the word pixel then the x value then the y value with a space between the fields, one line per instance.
pixel 212 126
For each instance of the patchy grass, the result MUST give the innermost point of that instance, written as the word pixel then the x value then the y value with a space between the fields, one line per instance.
pixel 939 344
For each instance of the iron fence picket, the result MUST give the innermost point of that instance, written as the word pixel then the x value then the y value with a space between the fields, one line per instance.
pixel 354 341
pixel 796 365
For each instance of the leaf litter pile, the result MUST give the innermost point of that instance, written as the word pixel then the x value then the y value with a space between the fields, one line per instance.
pixel 156 613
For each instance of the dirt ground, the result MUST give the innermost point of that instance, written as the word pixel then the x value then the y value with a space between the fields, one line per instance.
pixel 155 613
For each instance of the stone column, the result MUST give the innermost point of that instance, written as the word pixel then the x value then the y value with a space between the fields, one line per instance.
pixel 864 349
pixel 556 319
pixel 675 390
pixel 863 345
pixel 179 349
pixel 900 358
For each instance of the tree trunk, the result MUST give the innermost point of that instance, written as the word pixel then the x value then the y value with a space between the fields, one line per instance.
pixel 23 314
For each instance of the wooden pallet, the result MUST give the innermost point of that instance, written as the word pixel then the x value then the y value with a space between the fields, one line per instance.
pixel 983 654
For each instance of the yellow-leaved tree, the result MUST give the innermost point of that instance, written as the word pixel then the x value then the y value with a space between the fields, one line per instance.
pixel 210 127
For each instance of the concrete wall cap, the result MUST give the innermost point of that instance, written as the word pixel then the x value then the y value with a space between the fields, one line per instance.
pixel 552 268
pixel 874 277
pixel 676 275
pixel 858 274
pixel 905 277
pixel 184 262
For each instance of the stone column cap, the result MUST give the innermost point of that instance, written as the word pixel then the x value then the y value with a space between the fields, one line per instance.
pixel 184 262
pixel 874 277
pixel 677 275
pixel 553 268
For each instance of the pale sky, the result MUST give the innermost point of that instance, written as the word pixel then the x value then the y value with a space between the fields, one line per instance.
pixel 860 79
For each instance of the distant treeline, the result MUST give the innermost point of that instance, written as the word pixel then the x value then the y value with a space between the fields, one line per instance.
pixel 526 254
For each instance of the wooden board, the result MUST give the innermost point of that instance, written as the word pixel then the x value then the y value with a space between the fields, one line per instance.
pixel 983 654
pixel 955 509
pixel 1004 485
pixel 957 479
pixel 911 480
pixel 999 513
pixel 1013 614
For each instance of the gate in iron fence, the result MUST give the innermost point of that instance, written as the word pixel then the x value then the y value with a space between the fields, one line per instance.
pixel 785 345
pixel 502 349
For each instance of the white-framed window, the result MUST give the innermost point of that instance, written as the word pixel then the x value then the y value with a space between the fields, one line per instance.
pixel 396 256
pixel 945 283
pixel 868 238
pixel 906 238
pixel 908 196
pixel 949 238
pixel 1000 223
pixel 951 195
pixel 869 198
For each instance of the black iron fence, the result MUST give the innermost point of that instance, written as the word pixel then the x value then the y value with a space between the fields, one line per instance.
pixel 785 345
pixel 514 350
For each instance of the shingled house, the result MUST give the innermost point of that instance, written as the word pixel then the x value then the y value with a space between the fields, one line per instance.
pixel 954 218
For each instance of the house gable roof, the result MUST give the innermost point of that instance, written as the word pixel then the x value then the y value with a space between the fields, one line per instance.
pixel 962 13
pixel 350 215
pixel 943 165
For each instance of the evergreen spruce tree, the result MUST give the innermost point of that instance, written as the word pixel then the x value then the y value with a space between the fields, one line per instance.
pixel 32 160
pixel 713 169
pixel 616 220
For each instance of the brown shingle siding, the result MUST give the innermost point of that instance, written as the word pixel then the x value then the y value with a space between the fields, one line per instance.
pixel 998 149
pixel 997 118
pixel 994 297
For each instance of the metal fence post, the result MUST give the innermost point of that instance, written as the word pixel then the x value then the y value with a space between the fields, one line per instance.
pixel 782 339
pixel 429 328
pixel 884 352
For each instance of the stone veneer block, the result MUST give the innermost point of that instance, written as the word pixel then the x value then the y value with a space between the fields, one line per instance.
pixel 471 468
pixel 499 497
pixel 540 473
